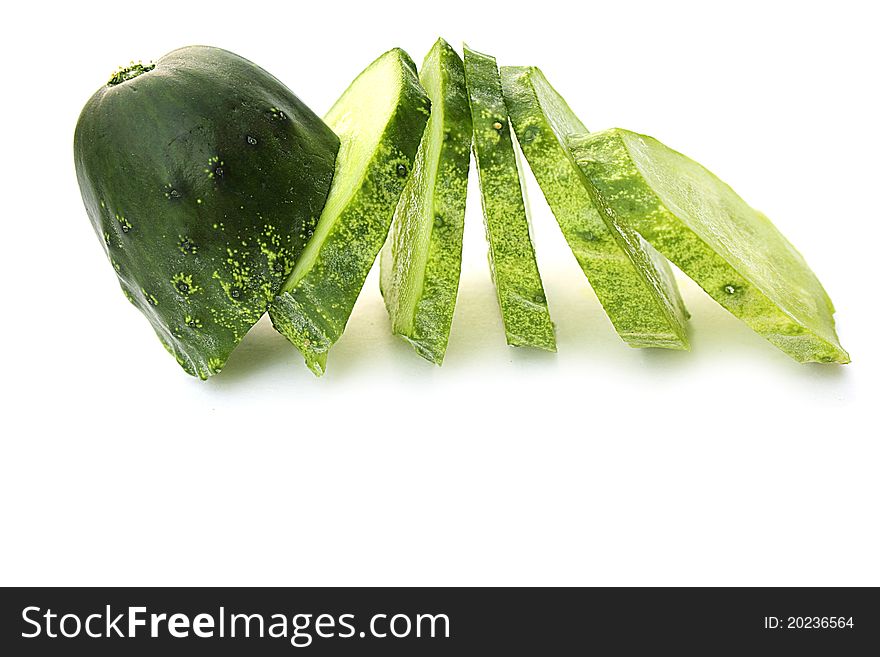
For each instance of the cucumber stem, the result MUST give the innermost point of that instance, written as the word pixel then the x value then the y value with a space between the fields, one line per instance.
pixel 129 72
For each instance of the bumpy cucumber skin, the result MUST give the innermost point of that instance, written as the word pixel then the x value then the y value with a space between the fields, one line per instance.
pixel 313 315
pixel 442 206
pixel 518 284
pixel 633 282
pixel 204 178
pixel 607 161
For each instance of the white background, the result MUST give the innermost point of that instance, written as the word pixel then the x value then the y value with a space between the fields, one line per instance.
pixel 599 465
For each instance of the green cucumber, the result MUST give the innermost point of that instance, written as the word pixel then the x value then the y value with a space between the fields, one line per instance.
pixel 421 261
pixel 511 255
pixel 731 250
pixel 633 282
pixel 379 120
pixel 204 177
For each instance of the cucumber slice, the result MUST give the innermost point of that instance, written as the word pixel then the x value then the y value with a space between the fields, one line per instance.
pixel 633 282
pixel 511 255
pixel 421 261
pixel 732 251
pixel 379 121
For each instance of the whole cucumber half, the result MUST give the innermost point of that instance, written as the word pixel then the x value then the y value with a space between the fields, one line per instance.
pixel 380 119
pixel 731 250
pixel 421 261
pixel 204 177
pixel 633 282
pixel 518 283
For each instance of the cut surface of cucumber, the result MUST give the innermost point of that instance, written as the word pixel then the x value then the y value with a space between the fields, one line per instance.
pixel 421 261
pixel 731 250
pixel 518 283
pixel 379 121
pixel 633 282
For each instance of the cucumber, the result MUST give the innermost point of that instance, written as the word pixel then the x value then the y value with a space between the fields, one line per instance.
pixel 511 255
pixel 633 282
pixel 204 177
pixel 731 250
pixel 379 120
pixel 421 261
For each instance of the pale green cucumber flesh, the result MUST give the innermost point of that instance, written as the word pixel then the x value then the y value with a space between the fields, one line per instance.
pixel 632 281
pixel 518 283
pixel 379 121
pixel 421 261
pixel 731 250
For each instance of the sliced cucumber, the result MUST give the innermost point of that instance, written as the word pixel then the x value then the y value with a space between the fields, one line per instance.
pixel 379 121
pixel 633 282
pixel 421 261
pixel 511 255
pixel 732 251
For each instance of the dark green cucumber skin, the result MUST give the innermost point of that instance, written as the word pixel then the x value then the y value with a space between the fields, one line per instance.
pixel 204 178
pixel 518 283
pixel 313 315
